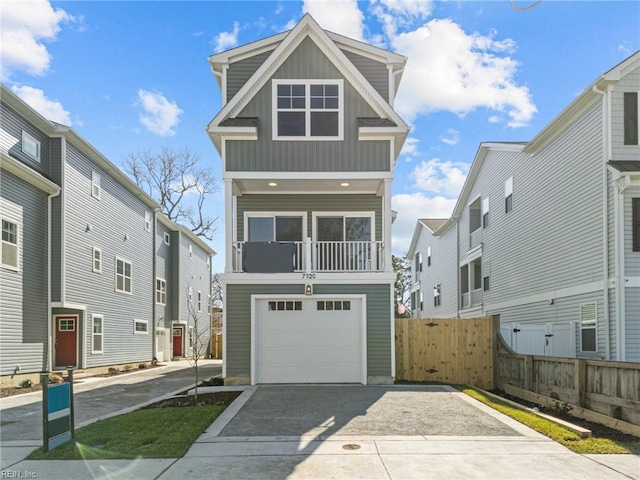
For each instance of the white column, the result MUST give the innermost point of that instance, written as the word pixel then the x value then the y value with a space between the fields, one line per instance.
pixel 386 224
pixel 228 225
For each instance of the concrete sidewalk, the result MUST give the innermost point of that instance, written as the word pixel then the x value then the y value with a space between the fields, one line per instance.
pixel 524 455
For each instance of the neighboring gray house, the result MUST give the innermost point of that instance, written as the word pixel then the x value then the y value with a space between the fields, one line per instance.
pixel 546 234
pixel 78 279
pixel 309 140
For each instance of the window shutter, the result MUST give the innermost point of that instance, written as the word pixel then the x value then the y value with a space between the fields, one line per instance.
pixel 631 118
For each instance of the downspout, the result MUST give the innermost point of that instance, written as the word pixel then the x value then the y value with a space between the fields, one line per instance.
pixel 458 268
pixel 50 316
pixel 605 220
pixel 154 274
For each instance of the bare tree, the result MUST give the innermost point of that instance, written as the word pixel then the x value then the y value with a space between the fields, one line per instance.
pixel 216 291
pixel 402 285
pixel 177 181
pixel 199 336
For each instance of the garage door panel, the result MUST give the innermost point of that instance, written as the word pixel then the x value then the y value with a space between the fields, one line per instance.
pixel 326 340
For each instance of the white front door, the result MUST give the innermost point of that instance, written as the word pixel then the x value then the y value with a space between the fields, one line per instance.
pixel 301 340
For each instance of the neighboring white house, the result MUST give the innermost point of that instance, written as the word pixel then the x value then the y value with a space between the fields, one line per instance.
pixel 546 234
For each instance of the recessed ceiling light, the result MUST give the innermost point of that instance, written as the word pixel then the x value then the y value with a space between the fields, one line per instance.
pixel 344 184
pixel 273 184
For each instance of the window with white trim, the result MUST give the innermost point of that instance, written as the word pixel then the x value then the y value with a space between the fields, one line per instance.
pixel 167 238
pixel 199 301
pixel 485 212
pixel 635 224
pixel 190 252
pixel 508 195
pixel 429 256
pixel 417 264
pixel 436 296
pixel 190 293
pixel 30 146
pixel 97 260
pixel 147 221
pixel 9 245
pixel 123 276
pixel 96 188
pixel 421 300
pixel 97 335
pixel 191 338
pixel 588 327
pixel 140 327
pixel 308 109
pixel 630 112
pixel 161 291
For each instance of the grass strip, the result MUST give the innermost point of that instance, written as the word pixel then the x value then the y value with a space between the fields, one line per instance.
pixel 560 434
pixel 148 433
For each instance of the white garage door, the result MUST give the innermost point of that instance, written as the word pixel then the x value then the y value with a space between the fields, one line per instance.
pixel 308 341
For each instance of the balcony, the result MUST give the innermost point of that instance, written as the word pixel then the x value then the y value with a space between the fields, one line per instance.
pixel 307 256
pixel 475 238
pixel 471 299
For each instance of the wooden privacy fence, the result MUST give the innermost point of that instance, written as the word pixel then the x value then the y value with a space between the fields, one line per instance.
pixel 611 389
pixel 216 346
pixel 450 350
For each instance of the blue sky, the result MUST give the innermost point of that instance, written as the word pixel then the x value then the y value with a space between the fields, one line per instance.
pixel 133 76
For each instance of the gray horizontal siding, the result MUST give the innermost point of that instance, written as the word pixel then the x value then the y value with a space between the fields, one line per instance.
pixel 24 305
pixel 309 204
pixel 164 270
pixel 56 219
pixel 238 328
pixel 116 214
pixel 264 154
pixel 375 72
pixel 239 72
pixel 632 327
pixel 629 83
pixel 11 127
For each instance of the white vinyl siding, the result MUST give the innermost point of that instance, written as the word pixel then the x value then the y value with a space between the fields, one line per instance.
pixel 97 335
pixel 30 146
pixel 10 245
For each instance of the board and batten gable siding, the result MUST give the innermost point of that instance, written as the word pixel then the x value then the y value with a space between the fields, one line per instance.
pixel 309 204
pixel 629 83
pixel 56 219
pixel 118 213
pixel 348 155
pixel 11 126
pixel 239 72
pixel 553 237
pixel 238 317
pixel 164 270
pixel 24 306
pixel 375 72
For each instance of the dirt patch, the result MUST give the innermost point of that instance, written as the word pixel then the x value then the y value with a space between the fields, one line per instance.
pixel 10 391
pixel 204 399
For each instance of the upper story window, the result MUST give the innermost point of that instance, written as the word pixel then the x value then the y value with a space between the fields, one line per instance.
pixel 635 224
pixel 167 239
pixel 436 296
pixel 429 256
pixel 123 276
pixel 97 260
pixel 30 146
pixel 485 212
pixel 308 110
pixel 417 262
pixel 147 221
pixel 190 252
pixel 631 118
pixel 508 195
pixel 96 188
pixel 9 245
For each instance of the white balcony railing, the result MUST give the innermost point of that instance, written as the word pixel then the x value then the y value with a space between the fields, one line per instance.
pixel 475 238
pixel 310 256
pixel 471 299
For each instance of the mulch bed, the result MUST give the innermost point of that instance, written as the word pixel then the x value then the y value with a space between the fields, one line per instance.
pixel 204 399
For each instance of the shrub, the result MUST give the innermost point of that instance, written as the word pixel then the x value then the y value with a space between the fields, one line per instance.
pixel 25 384
pixel 142 366
pixel 126 368
pixel 113 371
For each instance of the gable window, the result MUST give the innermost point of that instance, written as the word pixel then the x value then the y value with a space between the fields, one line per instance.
pixel 631 118
pixel 485 212
pixel 96 189
pixel 508 195
pixel 635 224
pixel 588 320
pixel 147 221
pixel 161 291
pixel 30 146
pixel 123 276
pixel 417 260
pixel 436 296
pixel 190 252
pixel 167 239
pixel 9 245
pixel 97 260
pixel 307 110
pixel 96 333
pixel 140 327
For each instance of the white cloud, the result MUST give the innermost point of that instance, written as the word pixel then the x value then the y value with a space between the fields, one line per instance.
pixel 410 146
pixel 410 208
pixel 49 109
pixel 440 177
pixel 159 115
pixel 24 26
pixel 227 40
pixel 338 16
pixel 451 137
pixel 396 14
pixel 450 70
pixel 624 47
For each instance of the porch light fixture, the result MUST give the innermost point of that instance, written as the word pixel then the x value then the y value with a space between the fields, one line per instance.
pixel 272 184
pixel 344 184
pixel 308 290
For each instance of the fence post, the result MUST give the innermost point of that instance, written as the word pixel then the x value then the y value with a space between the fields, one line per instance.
pixel 44 381
pixel 580 372
pixel 528 373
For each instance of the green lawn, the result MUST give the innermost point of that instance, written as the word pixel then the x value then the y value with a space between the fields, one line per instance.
pixel 148 433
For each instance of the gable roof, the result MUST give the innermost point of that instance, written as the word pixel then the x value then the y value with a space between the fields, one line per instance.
pixel 431 224
pixel 288 42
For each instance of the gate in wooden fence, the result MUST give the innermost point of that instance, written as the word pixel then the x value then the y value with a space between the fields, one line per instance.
pixel 449 350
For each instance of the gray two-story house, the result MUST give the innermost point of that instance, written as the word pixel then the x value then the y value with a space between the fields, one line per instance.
pixel 309 139
pixel 546 234
pixel 84 279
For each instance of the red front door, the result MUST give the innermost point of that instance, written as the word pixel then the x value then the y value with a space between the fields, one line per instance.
pixel 177 341
pixel 66 341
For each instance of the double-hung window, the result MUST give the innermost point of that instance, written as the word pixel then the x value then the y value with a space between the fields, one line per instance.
pixel 96 187
pixel 97 260
pixel 96 333
pixel 485 212
pixel 199 301
pixel 635 224
pixel 307 110
pixel 508 195
pixel 30 146
pixel 588 327
pixel 9 245
pixel 436 296
pixel 161 291
pixel 123 276
pixel 631 118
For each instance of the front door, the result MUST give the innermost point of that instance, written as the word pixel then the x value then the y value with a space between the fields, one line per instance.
pixel 66 341
pixel 178 334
